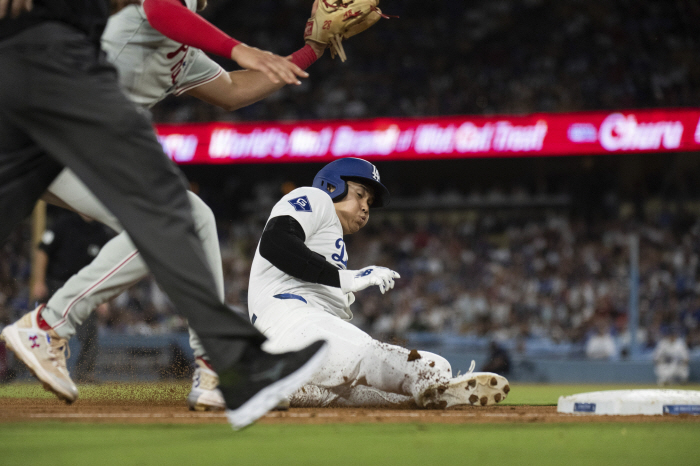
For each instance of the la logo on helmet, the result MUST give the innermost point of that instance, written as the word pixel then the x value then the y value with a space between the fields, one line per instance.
pixel 375 173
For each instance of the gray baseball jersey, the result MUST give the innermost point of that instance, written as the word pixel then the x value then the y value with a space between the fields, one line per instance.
pixel 150 65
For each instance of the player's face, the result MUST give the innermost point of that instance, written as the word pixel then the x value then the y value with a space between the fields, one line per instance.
pixel 353 210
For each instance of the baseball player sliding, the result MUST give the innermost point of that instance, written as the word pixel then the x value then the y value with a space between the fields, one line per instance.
pixel 301 290
pixel 158 48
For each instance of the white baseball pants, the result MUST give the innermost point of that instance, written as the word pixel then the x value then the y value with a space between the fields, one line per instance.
pixel 673 372
pixel 355 359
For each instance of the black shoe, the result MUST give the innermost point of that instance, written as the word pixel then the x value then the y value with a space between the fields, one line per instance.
pixel 260 380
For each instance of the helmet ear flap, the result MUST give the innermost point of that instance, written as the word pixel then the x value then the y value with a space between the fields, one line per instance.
pixel 328 187
pixel 336 191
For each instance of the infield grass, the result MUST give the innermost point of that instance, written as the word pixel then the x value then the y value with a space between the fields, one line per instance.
pixel 341 445
pixel 55 443
pixel 156 392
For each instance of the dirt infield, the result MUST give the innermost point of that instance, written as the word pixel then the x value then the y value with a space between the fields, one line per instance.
pixel 108 411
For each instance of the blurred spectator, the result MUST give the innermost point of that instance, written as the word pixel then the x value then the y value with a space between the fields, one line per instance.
pixel 625 340
pixel 499 360
pixel 601 345
pixel 538 277
pixel 671 357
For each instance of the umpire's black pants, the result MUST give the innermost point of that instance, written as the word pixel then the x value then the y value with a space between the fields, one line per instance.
pixel 60 105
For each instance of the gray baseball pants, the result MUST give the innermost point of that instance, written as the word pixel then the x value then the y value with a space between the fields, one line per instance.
pixel 61 105
pixel 119 265
pixel 87 336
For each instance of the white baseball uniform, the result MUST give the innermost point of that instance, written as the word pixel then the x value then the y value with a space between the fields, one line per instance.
pixel 292 313
pixel 671 358
pixel 150 67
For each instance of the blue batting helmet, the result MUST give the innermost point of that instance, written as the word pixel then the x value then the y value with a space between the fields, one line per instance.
pixel 339 171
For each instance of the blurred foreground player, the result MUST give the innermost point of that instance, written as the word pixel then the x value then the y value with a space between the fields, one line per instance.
pixel 145 58
pixel 61 105
pixel 300 290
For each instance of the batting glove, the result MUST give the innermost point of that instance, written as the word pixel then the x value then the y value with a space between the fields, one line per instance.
pixel 356 280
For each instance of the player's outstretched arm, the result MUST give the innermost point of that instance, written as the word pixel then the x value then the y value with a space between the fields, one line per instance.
pixel 273 66
pixel 172 19
pixel 238 89
pixel 282 244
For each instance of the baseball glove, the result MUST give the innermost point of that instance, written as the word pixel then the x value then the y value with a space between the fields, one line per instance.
pixel 335 20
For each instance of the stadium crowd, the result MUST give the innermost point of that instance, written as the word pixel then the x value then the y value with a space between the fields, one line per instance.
pixel 504 277
pixel 550 275
pixel 478 57
pixel 553 278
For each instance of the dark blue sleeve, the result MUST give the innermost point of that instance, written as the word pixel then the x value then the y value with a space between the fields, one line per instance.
pixel 282 244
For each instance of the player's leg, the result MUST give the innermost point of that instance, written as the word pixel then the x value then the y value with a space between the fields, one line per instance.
pixel 118 265
pixel 671 373
pixel 205 394
pixel 370 397
pixel 664 373
pixel 355 358
pixel 25 172
pixel 69 192
pixel 360 396
pixel 75 107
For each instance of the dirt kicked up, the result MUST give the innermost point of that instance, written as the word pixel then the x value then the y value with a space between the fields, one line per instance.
pixel 120 412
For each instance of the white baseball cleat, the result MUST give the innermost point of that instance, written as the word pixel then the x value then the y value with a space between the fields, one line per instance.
pixel 44 353
pixel 205 394
pixel 472 388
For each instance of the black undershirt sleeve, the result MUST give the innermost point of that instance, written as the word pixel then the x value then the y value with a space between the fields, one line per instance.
pixel 282 243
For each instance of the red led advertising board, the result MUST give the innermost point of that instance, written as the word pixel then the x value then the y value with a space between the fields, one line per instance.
pixel 546 134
